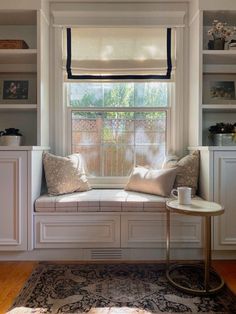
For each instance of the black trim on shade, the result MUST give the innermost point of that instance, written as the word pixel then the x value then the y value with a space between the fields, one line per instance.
pixel 119 77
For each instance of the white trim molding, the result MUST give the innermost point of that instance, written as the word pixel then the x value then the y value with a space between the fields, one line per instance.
pixel 118 14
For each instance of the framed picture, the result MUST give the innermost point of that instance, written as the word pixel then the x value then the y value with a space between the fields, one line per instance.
pixel 220 89
pixel 18 89
pixel 13 89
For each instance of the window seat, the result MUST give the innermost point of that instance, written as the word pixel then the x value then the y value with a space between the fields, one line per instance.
pixel 109 218
pixel 101 200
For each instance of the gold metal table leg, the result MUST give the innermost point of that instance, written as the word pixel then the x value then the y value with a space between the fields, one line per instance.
pixel 207 267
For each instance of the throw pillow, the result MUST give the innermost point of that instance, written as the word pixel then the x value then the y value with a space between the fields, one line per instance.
pixel 65 174
pixel 187 171
pixel 158 182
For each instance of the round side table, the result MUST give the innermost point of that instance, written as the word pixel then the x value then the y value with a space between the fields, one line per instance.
pixel 205 209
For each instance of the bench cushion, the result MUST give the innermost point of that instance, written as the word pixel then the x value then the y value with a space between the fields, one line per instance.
pixel 103 200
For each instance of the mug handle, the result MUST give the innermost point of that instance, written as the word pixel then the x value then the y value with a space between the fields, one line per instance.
pixel 174 193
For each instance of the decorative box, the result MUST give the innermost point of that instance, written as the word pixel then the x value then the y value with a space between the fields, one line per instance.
pixel 13 44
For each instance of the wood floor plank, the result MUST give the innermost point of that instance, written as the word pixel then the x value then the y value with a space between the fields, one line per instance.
pixel 13 275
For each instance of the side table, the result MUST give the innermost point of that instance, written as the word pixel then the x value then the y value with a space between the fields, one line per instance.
pixel 205 209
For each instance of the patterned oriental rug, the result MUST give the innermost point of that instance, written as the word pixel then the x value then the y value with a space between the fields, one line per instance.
pixel 114 289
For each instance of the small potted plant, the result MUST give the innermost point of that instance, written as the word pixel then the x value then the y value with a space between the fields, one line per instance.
pixel 223 134
pixel 220 34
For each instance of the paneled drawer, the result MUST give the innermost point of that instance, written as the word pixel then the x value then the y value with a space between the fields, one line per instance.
pixel 77 231
pixel 139 230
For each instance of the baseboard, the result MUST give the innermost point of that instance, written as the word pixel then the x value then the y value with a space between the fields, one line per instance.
pixel 102 254
pixel 111 255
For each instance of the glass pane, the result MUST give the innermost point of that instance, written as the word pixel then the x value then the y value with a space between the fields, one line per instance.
pixel 85 95
pixel 118 128
pixel 113 142
pixel 118 94
pixel 151 94
pixel 118 160
pixel 92 156
pixel 150 155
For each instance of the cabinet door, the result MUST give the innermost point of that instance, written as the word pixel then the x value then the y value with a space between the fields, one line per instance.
pixel 13 204
pixel 144 230
pixel 225 194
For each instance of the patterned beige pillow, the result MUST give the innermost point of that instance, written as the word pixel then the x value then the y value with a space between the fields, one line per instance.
pixel 65 174
pixel 188 171
pixel 158 182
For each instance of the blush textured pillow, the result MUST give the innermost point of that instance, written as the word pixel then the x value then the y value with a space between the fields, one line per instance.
pixel 65 174
pixel 187 171
pixel 158 182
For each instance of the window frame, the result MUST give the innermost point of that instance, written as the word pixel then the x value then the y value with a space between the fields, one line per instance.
pixel 116 181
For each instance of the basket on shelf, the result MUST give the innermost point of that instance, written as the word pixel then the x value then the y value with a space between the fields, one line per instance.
pixel 13 44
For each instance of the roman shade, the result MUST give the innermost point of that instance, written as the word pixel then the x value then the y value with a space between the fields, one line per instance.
pixel 118 53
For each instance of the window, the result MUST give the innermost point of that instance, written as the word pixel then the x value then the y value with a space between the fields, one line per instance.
pixel 118 125
pixel 114 120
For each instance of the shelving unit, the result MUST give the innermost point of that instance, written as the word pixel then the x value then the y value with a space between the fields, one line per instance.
pixel 24 110
pixel 211 103
pixel 27 109
pixel 16 112
pixel 217 99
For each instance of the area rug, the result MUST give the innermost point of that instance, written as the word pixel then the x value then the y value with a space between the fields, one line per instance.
pixel 113 289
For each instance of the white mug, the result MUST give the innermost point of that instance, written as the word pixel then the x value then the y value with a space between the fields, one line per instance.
pixel 183 194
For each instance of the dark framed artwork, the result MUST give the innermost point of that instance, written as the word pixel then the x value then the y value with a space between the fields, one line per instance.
pixel 18 88
pixel 15 89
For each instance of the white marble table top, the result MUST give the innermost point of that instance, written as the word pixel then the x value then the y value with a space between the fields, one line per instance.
pixel 197 207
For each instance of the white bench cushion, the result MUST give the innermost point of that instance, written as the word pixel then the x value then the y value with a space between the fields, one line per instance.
pixel 101 200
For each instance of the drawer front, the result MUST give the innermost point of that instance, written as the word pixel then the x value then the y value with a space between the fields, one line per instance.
pixel 77 231
pixel 149 231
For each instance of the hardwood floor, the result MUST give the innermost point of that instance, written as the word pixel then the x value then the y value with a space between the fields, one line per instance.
pixel 12 278
pixel 14 274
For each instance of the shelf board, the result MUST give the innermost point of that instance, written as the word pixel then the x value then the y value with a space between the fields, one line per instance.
pixel 219 57
pixel 18 56
pixel 220 52
pixel 219 68
pixel 15 107
pixel 219 108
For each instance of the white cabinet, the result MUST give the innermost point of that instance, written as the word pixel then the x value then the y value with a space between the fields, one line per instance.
pixel 13 204
pixel 20 185
pixel 217 183
pixel 212 76
pixel 224 193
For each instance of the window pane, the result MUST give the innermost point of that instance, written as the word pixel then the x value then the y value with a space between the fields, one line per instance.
pixel 118 94
pixel 113 142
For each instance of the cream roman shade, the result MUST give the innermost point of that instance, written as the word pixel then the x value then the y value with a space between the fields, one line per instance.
pixel 119 52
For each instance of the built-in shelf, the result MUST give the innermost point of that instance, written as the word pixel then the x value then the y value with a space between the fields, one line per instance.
pixel 214 108
pixel 220 57
pixel 18 107
pixel 18 56
pixel 219 68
